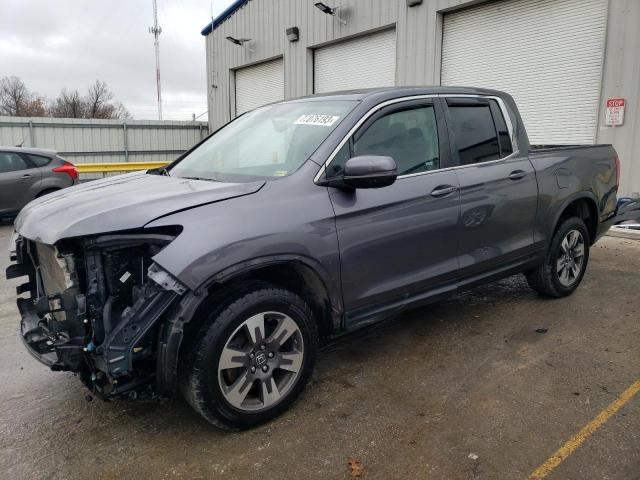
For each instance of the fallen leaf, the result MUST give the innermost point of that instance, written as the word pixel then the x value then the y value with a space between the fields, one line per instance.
pixel 356 468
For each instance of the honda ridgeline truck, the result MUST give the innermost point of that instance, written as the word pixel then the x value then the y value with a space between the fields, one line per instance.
pixel 218 275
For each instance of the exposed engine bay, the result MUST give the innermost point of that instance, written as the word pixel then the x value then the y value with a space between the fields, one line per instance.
pixel 94 305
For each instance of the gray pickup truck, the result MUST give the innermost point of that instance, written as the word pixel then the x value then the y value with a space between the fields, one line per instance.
pixel 219 275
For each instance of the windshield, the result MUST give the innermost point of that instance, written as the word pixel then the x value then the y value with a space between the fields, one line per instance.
pixel 269 142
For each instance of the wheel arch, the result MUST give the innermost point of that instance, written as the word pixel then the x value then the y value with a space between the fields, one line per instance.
pixel 292 272
pixel 301 278
pixel 300 274
pixel 46 191
pixel 583 205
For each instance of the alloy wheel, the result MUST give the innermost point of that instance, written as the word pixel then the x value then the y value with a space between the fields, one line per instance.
pixel 261 361
pixel 571 258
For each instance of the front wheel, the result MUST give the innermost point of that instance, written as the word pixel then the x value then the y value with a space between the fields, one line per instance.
pixel 565 262
pixel 252 358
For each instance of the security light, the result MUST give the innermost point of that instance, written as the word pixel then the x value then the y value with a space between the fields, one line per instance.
pixel 329 11
pixel 325 8
pixel 240 42
pixel 293 34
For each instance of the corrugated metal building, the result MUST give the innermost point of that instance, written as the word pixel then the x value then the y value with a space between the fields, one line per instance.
pixel 560 59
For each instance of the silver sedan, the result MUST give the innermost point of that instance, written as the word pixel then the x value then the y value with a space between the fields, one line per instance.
pixel 28 173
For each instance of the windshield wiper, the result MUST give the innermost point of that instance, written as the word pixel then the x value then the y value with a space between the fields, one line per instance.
pixel 201 178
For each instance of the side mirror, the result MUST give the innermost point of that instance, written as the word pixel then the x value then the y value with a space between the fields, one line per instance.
pixel 367 171
pixel 370 171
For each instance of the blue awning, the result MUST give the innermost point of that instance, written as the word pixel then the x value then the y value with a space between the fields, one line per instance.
pixel 223 16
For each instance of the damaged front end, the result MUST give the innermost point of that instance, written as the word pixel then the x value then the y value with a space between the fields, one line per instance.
pixel 94 307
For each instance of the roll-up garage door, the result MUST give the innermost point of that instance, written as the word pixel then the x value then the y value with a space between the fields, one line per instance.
pixel 364 62
pixel 259 84
pixel 547 54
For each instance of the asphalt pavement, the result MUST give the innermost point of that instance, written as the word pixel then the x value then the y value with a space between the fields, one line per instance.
pixel 486 385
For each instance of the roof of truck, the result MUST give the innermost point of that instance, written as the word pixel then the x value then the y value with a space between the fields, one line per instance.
pixel 394 92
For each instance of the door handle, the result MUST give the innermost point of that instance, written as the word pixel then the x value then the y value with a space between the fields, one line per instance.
pixel 443 190
pixel 25 176
pixel 517 175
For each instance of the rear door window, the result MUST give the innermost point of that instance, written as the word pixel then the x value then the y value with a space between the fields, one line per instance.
pixel 11 162
pixel 475 136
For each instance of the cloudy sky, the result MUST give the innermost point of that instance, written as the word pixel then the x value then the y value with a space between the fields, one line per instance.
pixel 55 44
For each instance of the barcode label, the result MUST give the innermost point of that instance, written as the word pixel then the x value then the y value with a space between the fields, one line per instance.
pixel 318 120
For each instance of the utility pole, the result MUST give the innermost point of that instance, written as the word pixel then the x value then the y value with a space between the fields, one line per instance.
pixel 156 31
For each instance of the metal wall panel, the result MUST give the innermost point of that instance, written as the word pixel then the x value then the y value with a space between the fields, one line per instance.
pixel 265 21
pixel 622 79
pixel 259 84
pixel 547 54
pixel 418 54
pixel 363 62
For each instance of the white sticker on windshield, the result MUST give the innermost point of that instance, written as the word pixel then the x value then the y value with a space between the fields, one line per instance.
pixel 318 120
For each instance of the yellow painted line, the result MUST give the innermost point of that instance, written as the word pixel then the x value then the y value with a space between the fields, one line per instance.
pixel 574 442
pixel 117 167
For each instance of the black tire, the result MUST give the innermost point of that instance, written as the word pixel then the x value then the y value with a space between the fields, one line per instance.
pixel 200 379
pixel 46 192
pixel 545 279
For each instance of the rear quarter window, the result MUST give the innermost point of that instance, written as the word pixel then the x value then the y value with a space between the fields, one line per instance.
pixel 39 160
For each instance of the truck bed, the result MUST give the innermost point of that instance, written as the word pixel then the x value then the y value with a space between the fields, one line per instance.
pixel 544 148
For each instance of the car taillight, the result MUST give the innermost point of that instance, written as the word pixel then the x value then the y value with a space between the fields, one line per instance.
pixel 68 168
pixel 617 172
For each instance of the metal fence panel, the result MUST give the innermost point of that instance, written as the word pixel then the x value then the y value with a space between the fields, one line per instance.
pixel 103 141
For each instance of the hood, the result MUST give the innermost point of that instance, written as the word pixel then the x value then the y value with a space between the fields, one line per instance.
pixel 119 203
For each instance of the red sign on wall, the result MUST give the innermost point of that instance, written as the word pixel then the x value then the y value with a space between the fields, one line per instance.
pixel 614 114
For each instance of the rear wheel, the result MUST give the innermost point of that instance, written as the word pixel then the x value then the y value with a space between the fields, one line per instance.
pixel 565 262
pixel 251 359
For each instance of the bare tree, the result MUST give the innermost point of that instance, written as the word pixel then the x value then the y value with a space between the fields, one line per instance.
pixel 36 108
pixel 121 112
pixel 17 101
pixel 13 93
pixel 99 104
pixel 69 104
pixel 97 101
